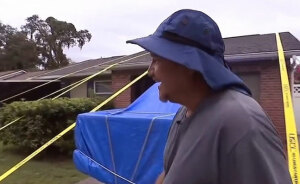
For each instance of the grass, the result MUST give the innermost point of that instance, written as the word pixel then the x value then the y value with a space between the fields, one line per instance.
pixel 42 171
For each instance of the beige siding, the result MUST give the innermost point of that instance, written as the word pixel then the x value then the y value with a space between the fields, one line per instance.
pixel 79 92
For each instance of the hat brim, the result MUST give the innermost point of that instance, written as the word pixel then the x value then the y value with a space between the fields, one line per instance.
pixel 210 66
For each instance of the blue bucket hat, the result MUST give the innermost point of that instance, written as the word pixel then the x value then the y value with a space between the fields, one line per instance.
pixel 192 39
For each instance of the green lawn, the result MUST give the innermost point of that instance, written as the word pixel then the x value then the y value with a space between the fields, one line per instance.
pixel 45 171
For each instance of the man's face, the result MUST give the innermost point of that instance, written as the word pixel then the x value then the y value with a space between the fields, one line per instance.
pixel 174 78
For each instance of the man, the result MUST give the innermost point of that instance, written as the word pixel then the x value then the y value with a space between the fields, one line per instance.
pixel 220 135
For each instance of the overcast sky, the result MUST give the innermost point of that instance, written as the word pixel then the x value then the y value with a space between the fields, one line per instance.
pixel 113 22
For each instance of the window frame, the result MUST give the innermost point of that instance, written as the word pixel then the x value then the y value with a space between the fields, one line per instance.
pixel 101 93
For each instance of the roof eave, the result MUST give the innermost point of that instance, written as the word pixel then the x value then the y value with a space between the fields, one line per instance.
pixel 263 56
pixel 27 81
pixel 132 67
pixel 108 72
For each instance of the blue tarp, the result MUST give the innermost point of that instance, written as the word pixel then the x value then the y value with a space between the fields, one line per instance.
pixel 124 145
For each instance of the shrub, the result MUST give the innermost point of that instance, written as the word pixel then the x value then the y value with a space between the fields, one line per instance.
pixel 42 120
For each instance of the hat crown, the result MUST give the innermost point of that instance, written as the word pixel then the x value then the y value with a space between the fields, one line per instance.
pixel 192 39
pixel 195 26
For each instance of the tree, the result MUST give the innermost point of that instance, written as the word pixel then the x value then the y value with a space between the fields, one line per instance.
pixel 16 51
pixel 51 37
pixel 39 44
pixel 5 32
pixel 21 53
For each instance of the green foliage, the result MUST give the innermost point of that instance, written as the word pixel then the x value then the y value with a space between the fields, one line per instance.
pixel 51 36
pixel 18 53
pixel 42 120
pixel 5 32
pixel 39 44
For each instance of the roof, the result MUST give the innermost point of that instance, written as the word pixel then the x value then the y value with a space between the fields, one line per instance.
pixel 260 43
pixel 237 49
pixel 6 72
pixel 28 75
pixel 260 47
pixel 10 74
pixel 90 67
pixel 26 81
pixel 85 67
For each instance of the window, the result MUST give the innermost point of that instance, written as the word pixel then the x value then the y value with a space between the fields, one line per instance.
pixel 102 87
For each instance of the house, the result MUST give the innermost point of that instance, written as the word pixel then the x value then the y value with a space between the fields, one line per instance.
pixel 100 85
pixel 252 57
pixel 15 82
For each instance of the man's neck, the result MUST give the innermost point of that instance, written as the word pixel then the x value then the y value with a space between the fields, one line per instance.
pixel 194 99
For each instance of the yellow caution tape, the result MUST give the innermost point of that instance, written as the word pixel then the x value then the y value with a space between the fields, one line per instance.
pixel 36 87
pixel 14 168
pixel 74 85
pixel 78 83
pixel 61 89
pixel 101 71
pixel 57 79
pixel 291 130
pixel 52 71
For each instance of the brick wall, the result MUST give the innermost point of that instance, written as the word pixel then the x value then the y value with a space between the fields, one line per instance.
pixel 271 97
pixel 270 91
pixel 119 79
